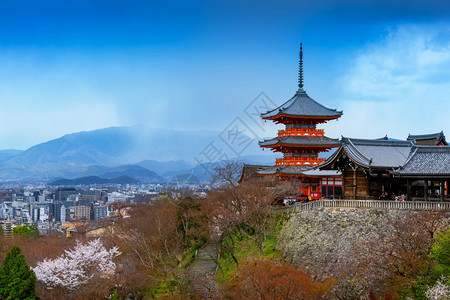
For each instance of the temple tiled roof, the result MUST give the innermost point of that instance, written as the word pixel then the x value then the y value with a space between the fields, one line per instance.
pixel 301 105
pixel 425 136
pixel 322 173
pixel 432 139
pixel 427 160
pixel 300 140
pixel 249 171
pixel 297 170
pixel 378 153
pixel 283 170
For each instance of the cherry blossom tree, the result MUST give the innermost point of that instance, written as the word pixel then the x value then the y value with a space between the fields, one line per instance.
pixel 76 268
pixel 440 291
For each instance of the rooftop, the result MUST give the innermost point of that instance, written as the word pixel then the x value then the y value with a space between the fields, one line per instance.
pixel 296 170
pixel 283 170
pixel 375 153
pixel 249 171
pixel 301 105
pixel 319 141
pixel 425 136
pixel 432 139
pixel 426 160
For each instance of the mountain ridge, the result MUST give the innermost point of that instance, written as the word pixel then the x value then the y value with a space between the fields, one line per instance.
pixel 91 180
pixel 165 152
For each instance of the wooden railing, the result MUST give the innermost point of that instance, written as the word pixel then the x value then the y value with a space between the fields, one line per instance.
pixel 299 161
pixel 377 204
pixel 301 132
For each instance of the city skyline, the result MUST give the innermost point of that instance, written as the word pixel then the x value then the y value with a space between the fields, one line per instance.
pixel 69 67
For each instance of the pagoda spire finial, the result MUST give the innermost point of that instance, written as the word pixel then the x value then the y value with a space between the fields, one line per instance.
pixel 300 70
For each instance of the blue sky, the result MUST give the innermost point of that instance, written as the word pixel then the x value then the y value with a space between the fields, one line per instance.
pixel 68 66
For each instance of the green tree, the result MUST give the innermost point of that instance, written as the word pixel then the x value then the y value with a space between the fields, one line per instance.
pixel 17 280
pixel 26 229
pixel 440 253
pixel 438 269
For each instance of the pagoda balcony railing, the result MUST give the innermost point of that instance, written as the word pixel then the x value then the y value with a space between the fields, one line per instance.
pixel 299 161
pixel 301 132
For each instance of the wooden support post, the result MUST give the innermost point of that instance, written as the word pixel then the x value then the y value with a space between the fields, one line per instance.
pixel 368 188
pixel 446 187
pixel 425 188
pixel 408 189
pixel 442 190
pixel 354 183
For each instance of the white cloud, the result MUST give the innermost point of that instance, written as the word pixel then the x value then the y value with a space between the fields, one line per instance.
pixel 399 85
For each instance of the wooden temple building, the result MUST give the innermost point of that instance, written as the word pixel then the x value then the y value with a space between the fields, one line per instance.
pixel 412 168
pixel 300 143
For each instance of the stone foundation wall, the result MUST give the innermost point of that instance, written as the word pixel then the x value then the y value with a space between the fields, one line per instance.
pixel 320 241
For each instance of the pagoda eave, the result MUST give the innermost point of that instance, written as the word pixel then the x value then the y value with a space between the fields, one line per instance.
pixel 277 147
pixel 284 118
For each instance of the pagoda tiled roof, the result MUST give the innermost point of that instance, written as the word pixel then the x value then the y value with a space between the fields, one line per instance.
pixel 376 153
pixel 300 141
pixel 301 105
pixel 426 161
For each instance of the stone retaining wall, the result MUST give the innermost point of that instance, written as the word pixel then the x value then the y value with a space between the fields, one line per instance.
pixel 318 240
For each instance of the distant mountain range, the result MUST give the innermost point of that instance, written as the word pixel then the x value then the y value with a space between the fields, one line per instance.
pixel 139 152
pixel 165 169
pixel 171 172
pixel 91 180
pixel 134 171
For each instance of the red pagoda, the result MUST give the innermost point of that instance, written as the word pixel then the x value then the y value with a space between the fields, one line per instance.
pixel 301 142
